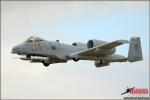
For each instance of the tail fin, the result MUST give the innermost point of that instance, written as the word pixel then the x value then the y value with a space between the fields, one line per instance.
pixel 135 51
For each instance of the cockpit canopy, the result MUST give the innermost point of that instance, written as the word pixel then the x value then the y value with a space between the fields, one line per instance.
pixel 33 39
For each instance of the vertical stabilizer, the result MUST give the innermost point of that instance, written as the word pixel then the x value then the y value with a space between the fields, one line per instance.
pixel 135 51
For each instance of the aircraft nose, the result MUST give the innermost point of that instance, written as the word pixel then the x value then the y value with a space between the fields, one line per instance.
pixel 15 50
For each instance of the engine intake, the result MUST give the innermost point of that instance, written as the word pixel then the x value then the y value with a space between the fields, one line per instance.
pixel 92 43
pixel 100 51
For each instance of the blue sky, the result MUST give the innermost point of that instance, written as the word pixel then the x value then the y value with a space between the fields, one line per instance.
pixel 69 22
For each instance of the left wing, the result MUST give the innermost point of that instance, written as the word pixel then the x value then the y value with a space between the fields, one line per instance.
pixel 106 46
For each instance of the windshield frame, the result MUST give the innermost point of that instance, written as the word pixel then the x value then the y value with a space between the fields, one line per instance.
pixel 33 39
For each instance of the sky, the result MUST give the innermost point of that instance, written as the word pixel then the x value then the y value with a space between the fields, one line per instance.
pixel 72 21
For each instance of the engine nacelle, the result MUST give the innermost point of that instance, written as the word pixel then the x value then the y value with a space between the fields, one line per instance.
pixel 92 43
pixel 79 44
pixel 101 64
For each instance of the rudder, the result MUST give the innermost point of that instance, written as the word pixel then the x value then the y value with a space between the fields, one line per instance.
pixel 135 51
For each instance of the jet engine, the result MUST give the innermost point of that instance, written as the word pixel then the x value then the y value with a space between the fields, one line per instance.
pixel 100 51
pixel 101 63
pixel 94 42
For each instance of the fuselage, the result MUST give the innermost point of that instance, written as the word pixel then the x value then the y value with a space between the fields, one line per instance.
pixel 46 49
pixel 58 50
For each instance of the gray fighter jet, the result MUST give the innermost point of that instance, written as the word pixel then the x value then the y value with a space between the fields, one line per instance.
pixel 35 49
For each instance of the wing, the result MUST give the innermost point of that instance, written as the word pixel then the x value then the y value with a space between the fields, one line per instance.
pixel 106 46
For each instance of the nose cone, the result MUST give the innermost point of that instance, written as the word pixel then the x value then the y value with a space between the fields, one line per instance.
pixel 15 50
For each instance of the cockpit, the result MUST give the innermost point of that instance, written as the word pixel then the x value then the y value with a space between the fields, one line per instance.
pixel 33 39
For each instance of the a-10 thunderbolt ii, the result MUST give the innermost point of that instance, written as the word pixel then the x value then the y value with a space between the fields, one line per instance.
pixel 36 50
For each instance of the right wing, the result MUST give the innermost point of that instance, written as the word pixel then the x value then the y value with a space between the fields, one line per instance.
pixel 106 46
